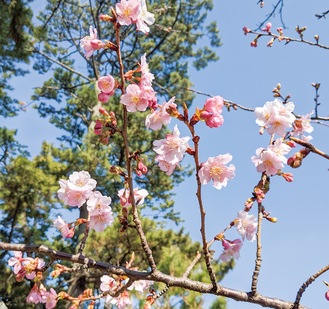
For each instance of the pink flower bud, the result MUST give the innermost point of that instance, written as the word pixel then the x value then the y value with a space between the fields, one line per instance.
pixel 246 30
pixel 103 97
pixel 267 28
pixel 288 177
pixel 103 111
pixel 142 167
pixel 327 295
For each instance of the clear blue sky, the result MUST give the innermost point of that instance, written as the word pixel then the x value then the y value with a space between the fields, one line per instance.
pixel 296 246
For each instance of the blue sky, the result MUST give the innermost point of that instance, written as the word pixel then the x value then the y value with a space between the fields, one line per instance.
pixel 296 246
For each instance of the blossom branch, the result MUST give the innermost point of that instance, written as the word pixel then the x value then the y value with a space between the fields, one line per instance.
pixel 155 276
pixel 136 219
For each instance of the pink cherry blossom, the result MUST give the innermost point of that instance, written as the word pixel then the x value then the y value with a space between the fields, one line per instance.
pixel 160 117
pixel 172 148
pixel 34 296
pixel 134 99
pixel 106 84
pixel 231 249
pixel 144 19
pixel 246 225
pixel 211 112
pixel 63 227
pixel 246 30
pixel 103 97
pixel 98 201
pixel 301 125
pixel 140 285
pixel 267 161
pixel 16 261
pixel 215 169
pixel 146 77
pixel 123 300
pixel 108 283
pixel 91 43
pixel 49 298
pixel 139 196
pixel 76 190
pixel 326 295
pixel 128 11
pixel 275 116
pixel 100 212
pixel 81 181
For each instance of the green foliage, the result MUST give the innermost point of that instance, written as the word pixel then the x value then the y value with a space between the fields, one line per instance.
pixel 15 16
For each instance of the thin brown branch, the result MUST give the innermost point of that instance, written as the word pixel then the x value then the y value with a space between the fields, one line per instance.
pixel 258 261
pixel 206 252
pixel 137 221
pixel 61 64
pixel 309 281
pixel 310 147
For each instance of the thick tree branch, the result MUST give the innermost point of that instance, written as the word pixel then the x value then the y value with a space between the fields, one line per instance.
pixel 154 276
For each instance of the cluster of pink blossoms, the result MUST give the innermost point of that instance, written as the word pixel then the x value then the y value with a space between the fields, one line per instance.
pixel 271 159
pixel 77 190
pixel 246 226
pixel 139 97
pixel 32 269
pixel 275 117
pixel 170 150
pixel 134 12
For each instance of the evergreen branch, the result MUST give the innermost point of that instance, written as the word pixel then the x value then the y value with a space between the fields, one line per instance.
pixel 156 275
pixel 61 64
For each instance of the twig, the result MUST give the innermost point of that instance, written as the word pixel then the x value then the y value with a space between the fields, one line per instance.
pixel 310 147
pixel 270 15
pixel 136 219
pixel 304 286
pixel 323 15
pixel 61 64
pixel 258 260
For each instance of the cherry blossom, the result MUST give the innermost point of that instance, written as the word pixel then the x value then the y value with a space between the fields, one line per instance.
pixel 267 161
pixel 100 212
pixel 275 116
pixel 16 261
pixel 246 225
pixel 64 228
pixel 211 112
pixel 91 43
pixel 140 285
pixel 231 249
pixel 128 11
pixel 139 196
pixel 35 295
pixel 144 19
pixel 301 125
pixel 215 169
pixel 107 283
pixel 134 99
pixel 49 298
pixel 76 190
pixel 172 148
pixel 160 116
pixel 29 268
pixel 123 300
pixel 106 84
